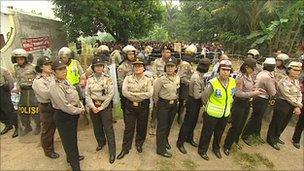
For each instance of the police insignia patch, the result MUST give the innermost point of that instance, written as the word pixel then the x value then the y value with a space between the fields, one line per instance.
pixel 218 93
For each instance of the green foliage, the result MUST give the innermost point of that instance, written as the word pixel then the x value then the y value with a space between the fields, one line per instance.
pixel 120 18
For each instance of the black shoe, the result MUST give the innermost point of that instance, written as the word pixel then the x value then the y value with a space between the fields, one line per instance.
pixel 37 130
pixel 26 131
pixel 280 141
pixel 217 153
pixel 168 146
pixel 274 145
pixel 181 148
pixel 166 154
pixel 15 134
pixel 204 156
pixel 52 155
pixel 297 145
pixel 191 142
pixel 122 154
pixel 247 141
pixel 112 159
pixel 139 149
pixel 99 147
pixel 226 151
pixel 6 129
pixel 80 157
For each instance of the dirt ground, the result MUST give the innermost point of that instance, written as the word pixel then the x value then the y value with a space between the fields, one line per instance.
pixel 26 154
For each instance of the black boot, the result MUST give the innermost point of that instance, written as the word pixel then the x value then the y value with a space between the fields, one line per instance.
pixel 26 131
pixel 122 154
pixel 6 129
pixel 15 134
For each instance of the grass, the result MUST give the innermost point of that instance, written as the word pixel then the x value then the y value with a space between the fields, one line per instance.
pixel 189 164
pixel 251 161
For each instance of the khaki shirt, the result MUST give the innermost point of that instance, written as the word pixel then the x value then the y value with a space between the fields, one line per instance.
pixel 99 88
pixel 244 86
pixel 185 72
pixel 290 90
pixel 279 73
pixel 6 78
pixel 41 87
pixel 137 90
pixel 25 75
pixel 125 69
pixel 65 97
pixel 158 67
pixel 115 57
pixel 166 87
pixel 256 71
pixel 196 85
pixel 266 81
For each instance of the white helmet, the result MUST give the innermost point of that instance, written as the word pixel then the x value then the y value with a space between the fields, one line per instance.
pixel 282 56
pixel 270 61
pixel 19 53
pixel 65 51
pixel 191 49
pixel 103 48
pixel 128 48
pixel 254 52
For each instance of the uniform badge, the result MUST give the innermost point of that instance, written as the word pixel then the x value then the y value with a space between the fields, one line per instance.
pixel 218 93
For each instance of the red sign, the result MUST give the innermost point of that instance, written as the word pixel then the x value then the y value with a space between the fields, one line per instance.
pixel 33 44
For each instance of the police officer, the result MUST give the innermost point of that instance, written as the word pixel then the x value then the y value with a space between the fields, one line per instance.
pixel 280 69
pixel 185 72
pixel 196 88
pixel 125 69
pixel 245 91
pixel 137 89
pixel 8 115
pixel 266 81
pixel 158 67
pixel 218 97
pixel 289 102
pixel 99 94
pixel 41 86
pixel 28 105
pixel 165 97
pixel 255 54
pixel 65 100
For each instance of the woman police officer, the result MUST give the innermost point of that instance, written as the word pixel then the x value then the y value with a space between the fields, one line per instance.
pixel 65 100
pixel 99 94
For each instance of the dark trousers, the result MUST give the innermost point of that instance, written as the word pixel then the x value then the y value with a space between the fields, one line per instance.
pixel 165 117
pixel 103 127
pixel 254 123
pixel 282 114
pixel 192 111
pixel 8 116
pixel 135 116
pixel 67 129
pixel 48 127
pixel 215 126
pixel 122 101
pixel 153 116
pixel 183 96
pixel 239 114
pixel 298 129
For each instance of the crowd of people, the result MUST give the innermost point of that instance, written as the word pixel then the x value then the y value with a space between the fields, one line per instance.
pixel 55 93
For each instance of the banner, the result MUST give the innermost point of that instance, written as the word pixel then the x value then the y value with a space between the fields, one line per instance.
pixel 33 44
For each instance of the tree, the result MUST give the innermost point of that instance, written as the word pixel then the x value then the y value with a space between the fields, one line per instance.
pixel 121 18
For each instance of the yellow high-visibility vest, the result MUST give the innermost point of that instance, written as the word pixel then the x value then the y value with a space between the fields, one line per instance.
pixel 220 101
pixel 73 75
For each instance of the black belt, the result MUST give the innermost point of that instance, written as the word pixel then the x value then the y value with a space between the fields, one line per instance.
pixel 169 101
pixel 138 104
pixel 45 104
pixel 26 87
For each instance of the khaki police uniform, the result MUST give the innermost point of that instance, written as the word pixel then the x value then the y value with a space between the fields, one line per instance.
pixel 41 87
pixel 165 95
pixel 99 93
pixel 266 81
pixel 137 92
pixel 196 88
pixel 28 104
pixel 8 115
pixel 289 97
pixel 65 100
pixel 125 69
pixel 158 67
